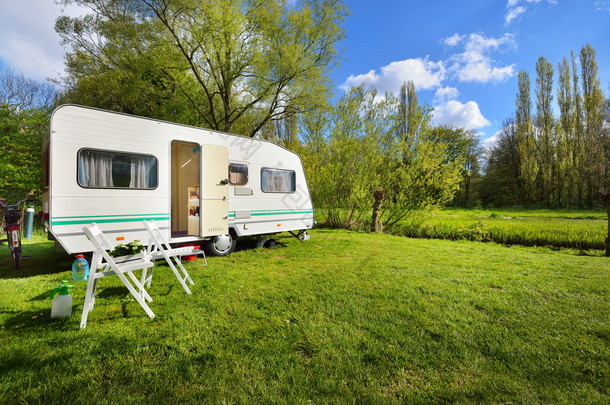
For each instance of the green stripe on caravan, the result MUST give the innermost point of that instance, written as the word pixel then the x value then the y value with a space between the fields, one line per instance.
pixel 257 213
pixel 105 219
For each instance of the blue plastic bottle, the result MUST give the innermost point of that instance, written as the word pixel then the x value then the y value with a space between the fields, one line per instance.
pixel 80 269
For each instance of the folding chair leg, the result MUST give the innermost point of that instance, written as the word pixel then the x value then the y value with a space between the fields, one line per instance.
pixel 88 306
pixel 134 292
pixel 179 277
pixel 89 294
pixel 184 273
pixel 142 292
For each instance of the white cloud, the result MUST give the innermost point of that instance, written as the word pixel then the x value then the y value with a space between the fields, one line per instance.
pixel 444 94
pixel 453 40
pixel 515 8
pixel 490 142
pixel 474 64
pixel 424 74
pixel 30 44
pixel 602 5
pixel 513 13
pixel 459 115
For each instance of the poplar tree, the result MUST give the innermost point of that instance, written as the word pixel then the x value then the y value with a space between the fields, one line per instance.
pixel 593 99
pixel 409 113
pixel 545 124
pixel 525 139
pixel 565 131
pixel 578 151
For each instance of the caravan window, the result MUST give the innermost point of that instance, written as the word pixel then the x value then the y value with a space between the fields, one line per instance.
pixel 278 181
pixel 238 174
pixel 106 169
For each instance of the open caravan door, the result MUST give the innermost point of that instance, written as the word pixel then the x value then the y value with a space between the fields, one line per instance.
pixel 214 204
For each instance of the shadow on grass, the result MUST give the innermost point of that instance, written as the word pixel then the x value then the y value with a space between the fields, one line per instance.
pixel 43 260
pixel 37 319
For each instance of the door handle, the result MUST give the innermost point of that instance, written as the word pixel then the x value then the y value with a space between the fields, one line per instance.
pixel 224 182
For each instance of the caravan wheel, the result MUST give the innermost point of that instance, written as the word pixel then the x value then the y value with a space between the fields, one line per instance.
pixel 222 245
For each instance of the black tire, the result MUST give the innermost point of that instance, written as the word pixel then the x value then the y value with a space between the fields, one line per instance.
pixel 271 243
pixel 222 245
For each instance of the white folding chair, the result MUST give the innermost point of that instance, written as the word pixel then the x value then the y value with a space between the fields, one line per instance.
pixel 104 265
pixel 158 248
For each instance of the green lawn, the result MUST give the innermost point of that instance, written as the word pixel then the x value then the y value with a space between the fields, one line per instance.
pixel 578 229
pixel 345 317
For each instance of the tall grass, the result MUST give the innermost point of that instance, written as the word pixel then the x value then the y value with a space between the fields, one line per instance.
pixel 576 229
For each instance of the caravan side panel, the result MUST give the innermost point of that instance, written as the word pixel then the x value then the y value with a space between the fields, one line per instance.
pixel 118 211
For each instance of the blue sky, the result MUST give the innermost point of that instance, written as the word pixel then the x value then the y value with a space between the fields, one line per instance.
pixel 463 56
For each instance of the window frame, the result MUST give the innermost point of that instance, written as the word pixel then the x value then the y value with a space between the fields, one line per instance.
pixel 279 170
pixel 247 173
pixel 81 150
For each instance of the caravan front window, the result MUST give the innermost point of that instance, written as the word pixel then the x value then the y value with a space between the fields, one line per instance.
pixel 106 169
pixel 278 181
pixel 238 174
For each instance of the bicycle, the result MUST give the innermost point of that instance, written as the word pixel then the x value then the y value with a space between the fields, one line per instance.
pixel 12 226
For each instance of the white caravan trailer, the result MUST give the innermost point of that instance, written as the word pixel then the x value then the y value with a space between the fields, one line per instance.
pixel 117 170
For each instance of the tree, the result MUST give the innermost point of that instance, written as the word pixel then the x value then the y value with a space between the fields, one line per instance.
pixel 409 113
pixel 565 132
pixel 545 125
pixel 578 152
pixel 20 93
pixel 525 140
pixel 25 108
pixel 464 145
pixel 593 99
pixel 503 173
pixel 230 65
pixel 21 135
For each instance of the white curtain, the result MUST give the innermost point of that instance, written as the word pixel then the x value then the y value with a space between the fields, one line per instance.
pixel 139 172
pixel 278 181
pixel 95 169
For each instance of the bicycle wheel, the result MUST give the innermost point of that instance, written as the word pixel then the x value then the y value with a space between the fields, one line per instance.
pixel 14 244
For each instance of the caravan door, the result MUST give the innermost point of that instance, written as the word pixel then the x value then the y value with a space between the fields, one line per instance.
pixel 214 205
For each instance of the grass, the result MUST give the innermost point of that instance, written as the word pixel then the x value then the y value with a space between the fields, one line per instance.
pixel 345 317
pixel 582 229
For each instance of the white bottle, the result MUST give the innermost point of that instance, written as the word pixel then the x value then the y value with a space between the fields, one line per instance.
pixel 62 304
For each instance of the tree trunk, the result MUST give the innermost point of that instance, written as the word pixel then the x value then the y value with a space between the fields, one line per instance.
pixel 378 194
pixel 604 197
pixel 608 237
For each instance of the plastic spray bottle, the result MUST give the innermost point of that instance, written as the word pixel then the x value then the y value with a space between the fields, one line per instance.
pixel 62 304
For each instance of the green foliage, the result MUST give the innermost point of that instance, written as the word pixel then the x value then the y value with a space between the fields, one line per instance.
pixel 225 64
pixel 386 320
pixel 540 161
pixel 132 248
pixel 21 135
pixel 357 147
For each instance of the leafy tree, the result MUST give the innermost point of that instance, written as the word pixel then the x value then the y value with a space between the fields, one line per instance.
pixel 25 108
pixel 461 144
pixel 545 125
pixel 593 100
pixel 579 141
pixel 525 139
pixel 502 180
pixel 20 93
pixel 21 135
pixel 229 65
pixel 342 155
pixel 565 132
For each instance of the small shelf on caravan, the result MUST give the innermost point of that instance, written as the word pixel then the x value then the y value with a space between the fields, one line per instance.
pixel 193 210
